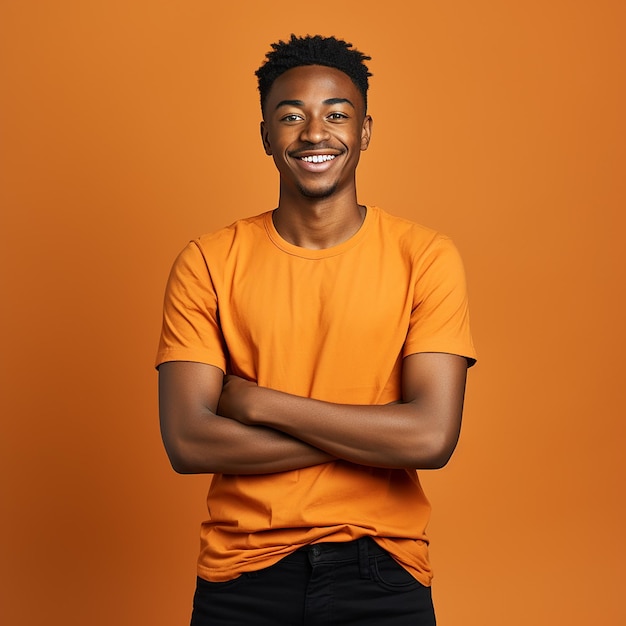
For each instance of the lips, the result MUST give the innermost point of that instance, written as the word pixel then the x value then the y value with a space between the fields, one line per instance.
pixel 317 160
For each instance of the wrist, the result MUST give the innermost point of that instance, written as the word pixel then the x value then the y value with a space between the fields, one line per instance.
pixel 262 406
pixel 250 405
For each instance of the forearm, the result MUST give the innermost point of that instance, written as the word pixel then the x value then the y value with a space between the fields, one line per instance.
pixel 215 444
pixel 394 435
pixel 419 433
pixel 198 439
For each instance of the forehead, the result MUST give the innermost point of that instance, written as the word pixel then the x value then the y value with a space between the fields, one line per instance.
pixel 313 84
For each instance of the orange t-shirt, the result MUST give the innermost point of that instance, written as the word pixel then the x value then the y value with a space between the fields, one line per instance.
pixel 331 324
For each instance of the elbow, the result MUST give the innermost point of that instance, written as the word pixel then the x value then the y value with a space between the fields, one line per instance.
pixel 181 466
pixel 436 460
pixel 179 462
pixel 435 452
pixel 181 458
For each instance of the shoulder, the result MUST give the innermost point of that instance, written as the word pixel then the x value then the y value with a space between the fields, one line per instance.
pixel 242 229
pixel 414 239
pixel 211 249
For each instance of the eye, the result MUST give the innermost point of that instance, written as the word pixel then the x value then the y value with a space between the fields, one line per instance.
pixel 337 116
pixel 292 117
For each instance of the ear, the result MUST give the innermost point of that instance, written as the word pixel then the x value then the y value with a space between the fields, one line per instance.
pixel 265 139
pixel 366 131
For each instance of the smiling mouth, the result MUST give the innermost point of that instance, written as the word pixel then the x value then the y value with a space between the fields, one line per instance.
pixel 318 158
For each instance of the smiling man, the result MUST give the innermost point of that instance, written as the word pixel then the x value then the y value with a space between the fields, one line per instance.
pixel 312 359
pixel 315 143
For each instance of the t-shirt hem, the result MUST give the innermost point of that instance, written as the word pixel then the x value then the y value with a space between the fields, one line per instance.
pixel 206 358
pixel 221 576
pixel 224 575
pixel 464 350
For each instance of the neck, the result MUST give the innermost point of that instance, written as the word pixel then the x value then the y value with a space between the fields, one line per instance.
pixel 318 223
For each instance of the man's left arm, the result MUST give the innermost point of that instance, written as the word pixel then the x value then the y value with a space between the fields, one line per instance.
pixel 421 432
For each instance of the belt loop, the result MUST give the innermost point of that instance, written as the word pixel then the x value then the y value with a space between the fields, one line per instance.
pixel 364 569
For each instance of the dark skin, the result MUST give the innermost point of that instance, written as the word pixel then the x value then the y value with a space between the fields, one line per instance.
pixel 315 112
pixel 315 127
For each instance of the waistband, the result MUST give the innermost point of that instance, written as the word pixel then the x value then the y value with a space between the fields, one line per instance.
pixel 344 550
pixel 326 553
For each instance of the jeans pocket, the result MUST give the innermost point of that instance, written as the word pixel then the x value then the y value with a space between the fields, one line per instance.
pixel 389 574
pixel 208 586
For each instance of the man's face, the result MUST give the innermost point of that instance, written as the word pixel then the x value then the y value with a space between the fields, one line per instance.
pixel 314 126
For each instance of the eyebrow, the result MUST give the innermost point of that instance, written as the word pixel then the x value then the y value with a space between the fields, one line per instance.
pixel 300 103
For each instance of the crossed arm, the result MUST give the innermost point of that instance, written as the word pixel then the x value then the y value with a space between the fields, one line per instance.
pixel 216 424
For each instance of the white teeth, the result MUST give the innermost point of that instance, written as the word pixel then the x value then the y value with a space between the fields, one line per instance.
pixel 318 158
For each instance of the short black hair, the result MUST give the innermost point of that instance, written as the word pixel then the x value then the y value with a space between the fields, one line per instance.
pixel 313 50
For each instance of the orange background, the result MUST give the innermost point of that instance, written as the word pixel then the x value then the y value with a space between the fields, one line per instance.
pixel 129 127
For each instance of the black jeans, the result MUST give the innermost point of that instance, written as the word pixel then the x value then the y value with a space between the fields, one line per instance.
pixel 355 583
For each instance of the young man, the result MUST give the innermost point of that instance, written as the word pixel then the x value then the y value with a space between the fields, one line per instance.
pixel 312 358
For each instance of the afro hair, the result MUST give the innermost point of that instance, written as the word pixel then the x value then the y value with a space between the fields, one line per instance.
pixel 313 50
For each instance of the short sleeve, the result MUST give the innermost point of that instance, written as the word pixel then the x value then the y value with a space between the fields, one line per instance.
pixel 440 316
pixel 191 329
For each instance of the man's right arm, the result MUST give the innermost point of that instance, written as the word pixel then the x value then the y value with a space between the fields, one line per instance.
pixel 198 441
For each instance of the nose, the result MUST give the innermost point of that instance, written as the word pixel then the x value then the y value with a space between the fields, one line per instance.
pixel 314 130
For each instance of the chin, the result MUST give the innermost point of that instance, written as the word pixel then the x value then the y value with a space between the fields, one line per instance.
pixel 325 192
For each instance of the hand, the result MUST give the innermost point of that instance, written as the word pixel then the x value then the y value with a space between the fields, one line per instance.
pixel 235 399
